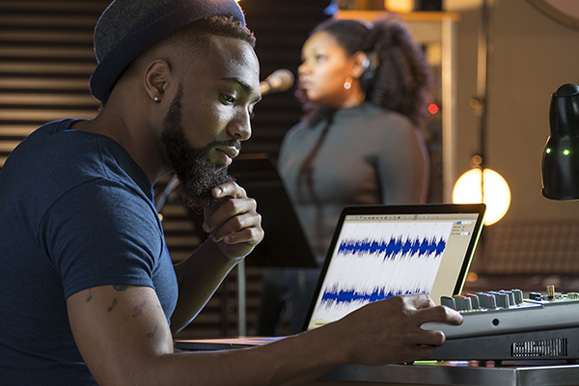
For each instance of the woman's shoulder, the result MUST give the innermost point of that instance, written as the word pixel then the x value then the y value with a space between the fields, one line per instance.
pixel 300 129
pixel 302 125
pixel 374 118
pixel 391 116
pixel 294 137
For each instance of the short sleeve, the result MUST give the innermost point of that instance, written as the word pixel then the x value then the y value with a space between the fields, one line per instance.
pixel 102 233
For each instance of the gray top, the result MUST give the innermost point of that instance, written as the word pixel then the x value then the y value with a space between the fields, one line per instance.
pixel 369 156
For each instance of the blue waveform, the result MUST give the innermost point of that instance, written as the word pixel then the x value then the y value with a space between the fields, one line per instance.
pixel 394 246
pixel 337 296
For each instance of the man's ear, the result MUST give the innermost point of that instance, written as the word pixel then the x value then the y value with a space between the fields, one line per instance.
pixel 157 79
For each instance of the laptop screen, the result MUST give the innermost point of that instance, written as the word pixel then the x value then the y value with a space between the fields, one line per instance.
pixel 384 251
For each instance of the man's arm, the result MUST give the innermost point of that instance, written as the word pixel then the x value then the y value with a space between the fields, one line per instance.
pixel 124 338
pixel 235 229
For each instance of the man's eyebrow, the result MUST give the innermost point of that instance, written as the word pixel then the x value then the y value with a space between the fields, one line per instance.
pixel 244 85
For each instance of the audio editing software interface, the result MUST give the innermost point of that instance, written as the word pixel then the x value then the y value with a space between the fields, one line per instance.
pixel 379 256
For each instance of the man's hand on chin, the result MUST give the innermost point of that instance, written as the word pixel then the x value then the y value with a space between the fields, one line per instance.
pixel 233 222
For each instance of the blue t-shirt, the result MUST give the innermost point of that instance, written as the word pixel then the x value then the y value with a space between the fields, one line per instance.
pixel 75 212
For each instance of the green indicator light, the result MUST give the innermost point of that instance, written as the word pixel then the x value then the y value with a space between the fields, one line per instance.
pixel 548 150
pixel 566 152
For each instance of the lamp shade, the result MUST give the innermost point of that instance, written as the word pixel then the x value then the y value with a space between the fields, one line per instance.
pixel 560 163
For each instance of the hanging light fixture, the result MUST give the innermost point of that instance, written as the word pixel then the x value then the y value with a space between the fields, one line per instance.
pixel 481 184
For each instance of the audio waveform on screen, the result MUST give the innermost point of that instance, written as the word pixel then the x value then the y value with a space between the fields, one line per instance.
pixel 375 261
pixel 335 296
pixel 395 246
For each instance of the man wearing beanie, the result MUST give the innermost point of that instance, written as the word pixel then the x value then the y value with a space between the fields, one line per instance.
pixel 88 293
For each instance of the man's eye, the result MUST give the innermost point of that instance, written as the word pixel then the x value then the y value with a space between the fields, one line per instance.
pixel 227 98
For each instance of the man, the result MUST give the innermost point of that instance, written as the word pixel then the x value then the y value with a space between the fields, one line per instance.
pixel 87 291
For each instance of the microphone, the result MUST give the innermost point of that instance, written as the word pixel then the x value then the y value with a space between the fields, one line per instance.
pixel 277 81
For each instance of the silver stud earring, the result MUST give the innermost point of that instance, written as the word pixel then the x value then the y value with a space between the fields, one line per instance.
pixel 157 99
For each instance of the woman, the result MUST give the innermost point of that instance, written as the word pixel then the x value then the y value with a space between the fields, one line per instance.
pixel 363 89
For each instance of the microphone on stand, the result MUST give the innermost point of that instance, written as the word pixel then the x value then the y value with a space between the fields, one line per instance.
pixel 278 81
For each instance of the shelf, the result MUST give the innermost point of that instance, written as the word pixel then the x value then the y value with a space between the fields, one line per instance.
pixel 411 16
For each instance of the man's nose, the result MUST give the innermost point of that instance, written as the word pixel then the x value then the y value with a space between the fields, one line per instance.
pixel 240 127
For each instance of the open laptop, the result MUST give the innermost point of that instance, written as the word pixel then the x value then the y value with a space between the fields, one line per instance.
pixel 383 251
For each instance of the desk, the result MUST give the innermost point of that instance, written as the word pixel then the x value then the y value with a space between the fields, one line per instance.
pixel 452 373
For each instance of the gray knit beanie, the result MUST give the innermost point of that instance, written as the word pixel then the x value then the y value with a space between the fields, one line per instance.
pixel 127 28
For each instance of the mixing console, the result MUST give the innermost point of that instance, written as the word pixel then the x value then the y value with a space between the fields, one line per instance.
pixel 500 312
pixel 499 325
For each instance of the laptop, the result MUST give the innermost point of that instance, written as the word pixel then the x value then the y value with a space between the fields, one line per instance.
pixel 382 251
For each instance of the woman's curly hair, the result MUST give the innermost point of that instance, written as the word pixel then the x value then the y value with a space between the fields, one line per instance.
pixel 398 76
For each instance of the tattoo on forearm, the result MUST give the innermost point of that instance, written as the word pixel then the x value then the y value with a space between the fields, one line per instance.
pixel 120 288
pixel 89 297
pixel 112 305
pixel 152 334
pixel 138 310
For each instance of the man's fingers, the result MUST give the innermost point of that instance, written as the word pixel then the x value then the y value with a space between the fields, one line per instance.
pixel 229 189
pixel 222 194
pixel 239 228
pixel 417 301
pixel 431 338
pixel 438 314
pixel 231 209
pixel 233 223
pixel 252 236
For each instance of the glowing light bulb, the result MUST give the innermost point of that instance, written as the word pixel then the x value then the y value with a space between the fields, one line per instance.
pixel 497 195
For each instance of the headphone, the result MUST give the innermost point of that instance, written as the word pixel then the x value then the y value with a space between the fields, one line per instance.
pixel 370 66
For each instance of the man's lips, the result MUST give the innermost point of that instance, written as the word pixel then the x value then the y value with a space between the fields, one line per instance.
pixel 228 153
pixel 231 152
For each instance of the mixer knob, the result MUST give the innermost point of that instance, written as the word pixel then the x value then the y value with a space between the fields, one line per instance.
pixel 448 301
pixel 474 301
pixel 486 300
pixel 462 303
pixel 550 292
pixel 510 297
pixel 502 300
pixel 518 294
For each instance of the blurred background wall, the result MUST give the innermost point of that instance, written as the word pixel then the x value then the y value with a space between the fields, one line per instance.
pixel 46 59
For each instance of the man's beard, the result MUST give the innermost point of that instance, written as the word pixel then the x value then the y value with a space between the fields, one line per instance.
pixel 196 173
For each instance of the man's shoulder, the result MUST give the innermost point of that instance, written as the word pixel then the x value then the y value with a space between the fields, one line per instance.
pixel 52 127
